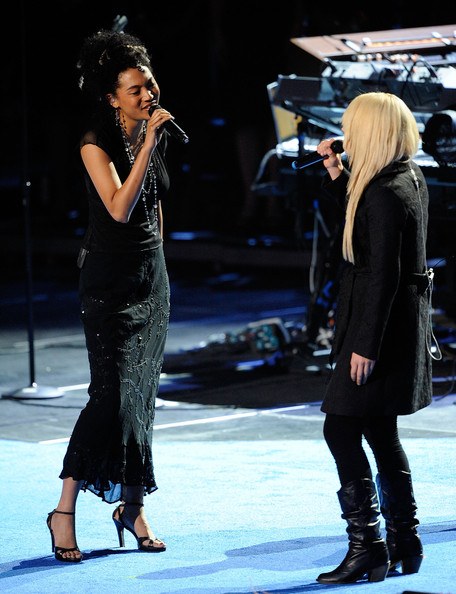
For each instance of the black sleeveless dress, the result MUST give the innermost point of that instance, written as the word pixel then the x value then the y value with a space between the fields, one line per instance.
pixel 124 293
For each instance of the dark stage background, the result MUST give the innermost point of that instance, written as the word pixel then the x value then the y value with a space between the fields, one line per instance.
pixel 213 61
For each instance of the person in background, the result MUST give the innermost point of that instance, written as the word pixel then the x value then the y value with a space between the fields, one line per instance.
pixel 382 337
pixel 124 291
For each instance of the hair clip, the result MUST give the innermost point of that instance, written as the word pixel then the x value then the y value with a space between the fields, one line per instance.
pixel 103 56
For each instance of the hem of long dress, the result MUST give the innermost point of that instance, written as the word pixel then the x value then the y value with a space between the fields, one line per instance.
pixel 106 479
pixel 111 493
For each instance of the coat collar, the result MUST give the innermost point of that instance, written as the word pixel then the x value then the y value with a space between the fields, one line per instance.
pixel 392 169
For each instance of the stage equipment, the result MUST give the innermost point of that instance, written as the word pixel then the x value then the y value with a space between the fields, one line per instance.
pixel 439 137
pixel 418 65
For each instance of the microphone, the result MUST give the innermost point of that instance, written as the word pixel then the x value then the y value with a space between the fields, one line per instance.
pixel 170 125
pixel 312 158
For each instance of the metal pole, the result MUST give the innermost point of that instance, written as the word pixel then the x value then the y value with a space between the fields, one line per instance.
pixel 32 390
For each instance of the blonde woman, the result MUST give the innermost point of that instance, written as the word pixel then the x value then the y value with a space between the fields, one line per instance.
pixel 383 366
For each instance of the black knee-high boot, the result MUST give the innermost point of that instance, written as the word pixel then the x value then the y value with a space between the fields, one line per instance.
pixel 367 551
pixel 398 507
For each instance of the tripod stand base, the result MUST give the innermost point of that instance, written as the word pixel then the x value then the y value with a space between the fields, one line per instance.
pixel 34 392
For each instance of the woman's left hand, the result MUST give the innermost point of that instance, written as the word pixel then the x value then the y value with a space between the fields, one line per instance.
pixel 360 368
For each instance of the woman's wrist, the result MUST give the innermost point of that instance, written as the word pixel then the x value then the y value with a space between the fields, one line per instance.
pixel 334 172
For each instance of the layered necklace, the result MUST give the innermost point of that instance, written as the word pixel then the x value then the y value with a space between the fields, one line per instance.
pixel 150 181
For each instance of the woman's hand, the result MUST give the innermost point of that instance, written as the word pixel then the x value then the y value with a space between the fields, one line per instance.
pixel 333 163
pixel 360 368
pixel 155 127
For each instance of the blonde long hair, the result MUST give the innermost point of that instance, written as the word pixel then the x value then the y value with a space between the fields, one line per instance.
pixel 378 129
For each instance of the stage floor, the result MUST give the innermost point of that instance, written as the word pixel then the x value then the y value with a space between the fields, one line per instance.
pixel 247 489
pixel 206 387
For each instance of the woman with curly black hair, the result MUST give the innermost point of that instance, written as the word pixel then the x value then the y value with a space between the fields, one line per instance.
pixel 124 291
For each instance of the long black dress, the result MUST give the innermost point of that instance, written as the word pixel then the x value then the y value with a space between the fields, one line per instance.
pixel 124 293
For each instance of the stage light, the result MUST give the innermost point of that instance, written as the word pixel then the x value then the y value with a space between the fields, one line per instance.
pixel 439 137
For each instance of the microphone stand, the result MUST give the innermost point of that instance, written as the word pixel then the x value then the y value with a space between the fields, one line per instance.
pixel 32 391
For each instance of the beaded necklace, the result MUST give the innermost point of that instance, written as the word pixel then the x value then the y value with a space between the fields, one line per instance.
pixel 150 181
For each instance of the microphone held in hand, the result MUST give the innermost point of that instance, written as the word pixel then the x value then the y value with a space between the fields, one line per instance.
pixel 170 125
pixel 312 158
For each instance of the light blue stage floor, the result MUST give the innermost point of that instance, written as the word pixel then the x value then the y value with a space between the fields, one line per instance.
pixel 247 494
pixel 237 517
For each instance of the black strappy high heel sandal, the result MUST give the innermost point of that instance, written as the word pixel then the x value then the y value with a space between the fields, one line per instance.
pixel 59 551
pixel 121 525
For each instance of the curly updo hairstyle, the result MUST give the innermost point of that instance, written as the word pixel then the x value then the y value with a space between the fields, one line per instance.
pixel 103 57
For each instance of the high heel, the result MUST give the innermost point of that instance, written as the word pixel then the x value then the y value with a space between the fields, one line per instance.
pixel 60 551
pixel 367 551
pixel 121 525
pixel 411 564
pixel 378 574
pixel 398 506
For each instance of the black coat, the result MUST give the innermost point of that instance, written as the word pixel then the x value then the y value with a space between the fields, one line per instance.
pixel 383 304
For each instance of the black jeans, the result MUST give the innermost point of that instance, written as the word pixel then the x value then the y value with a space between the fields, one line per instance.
pixel 344 434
